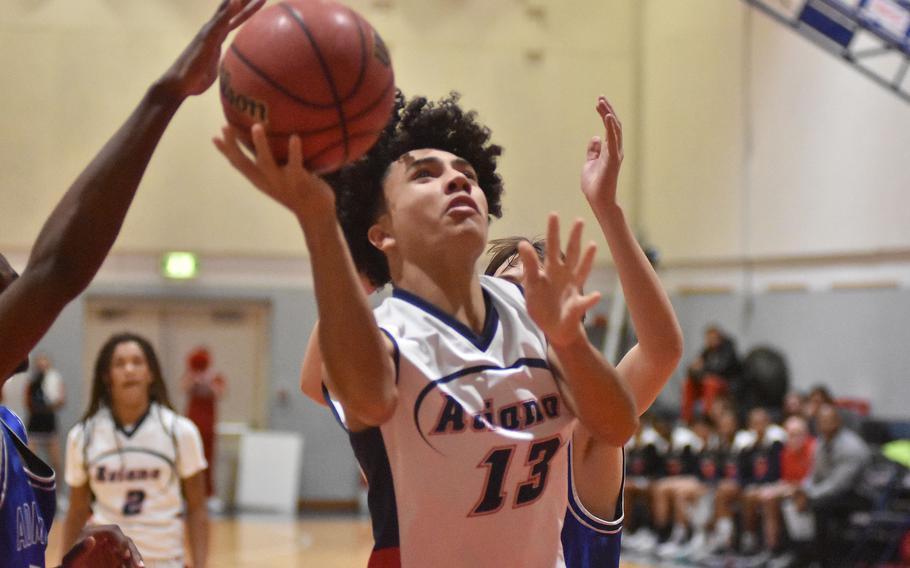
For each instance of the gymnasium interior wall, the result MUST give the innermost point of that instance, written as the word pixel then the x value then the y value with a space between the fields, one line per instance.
pixel 758 144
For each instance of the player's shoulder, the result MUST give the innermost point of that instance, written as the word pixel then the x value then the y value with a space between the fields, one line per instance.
pixel 179 424
pixel 743 440
pixel 775 434
pixel 76 434
pixel 503 289
pixel 683 437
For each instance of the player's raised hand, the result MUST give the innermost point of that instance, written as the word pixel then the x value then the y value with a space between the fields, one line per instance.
pixel 196 68
pixel 306 194
pixel 600 174
pixel 103 546
pixel 554 290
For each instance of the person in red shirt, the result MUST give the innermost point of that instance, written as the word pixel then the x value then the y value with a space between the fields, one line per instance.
pixel 795 464
pixel 203 386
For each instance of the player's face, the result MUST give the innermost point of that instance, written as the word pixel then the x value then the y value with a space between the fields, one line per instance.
pixel 702 430
pixel 797 433
pixel 432 201
pixel 759 421
pixel 827 421
pixel 130 375
pixel 793 403
pixel 726 425
pixel 512 270
pixel 712 339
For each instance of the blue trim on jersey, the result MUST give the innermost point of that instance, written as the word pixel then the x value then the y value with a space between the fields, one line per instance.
pixel 584 547
pixel 491 318
pixel 370 450
pixel 129 433
pixel 587 541
pixel 14 422
pixel 587 518
pixel 331 404
pixel 523 362
pixel 396 356
pixel 28 498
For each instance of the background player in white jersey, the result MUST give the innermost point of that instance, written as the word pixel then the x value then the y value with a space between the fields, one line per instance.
pixel 594 518
pixel 450 388
pixel 134 462
pixel 70 248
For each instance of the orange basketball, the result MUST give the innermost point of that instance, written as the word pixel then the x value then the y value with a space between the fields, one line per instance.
pixel 314 68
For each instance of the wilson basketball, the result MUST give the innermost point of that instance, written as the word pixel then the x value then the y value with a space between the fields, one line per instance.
pixel 314 68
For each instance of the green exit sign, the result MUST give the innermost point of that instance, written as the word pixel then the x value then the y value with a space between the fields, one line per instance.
pixel 179 265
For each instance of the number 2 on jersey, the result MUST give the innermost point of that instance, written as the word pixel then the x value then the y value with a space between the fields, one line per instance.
pixel 133 504
pixel 497 464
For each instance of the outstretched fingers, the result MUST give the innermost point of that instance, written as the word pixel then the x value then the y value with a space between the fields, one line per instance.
pixel 582 304
pixel 249 7
pixel 81 548
pixel 554 247
pixel 264 158
pixel 295 155
pixel 606 106
pixel 614 136
pixel 585 266
pixel 573 248
pixel 229 147
pixel 530 262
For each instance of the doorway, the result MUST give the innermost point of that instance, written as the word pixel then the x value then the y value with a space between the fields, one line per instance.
pixel 234 332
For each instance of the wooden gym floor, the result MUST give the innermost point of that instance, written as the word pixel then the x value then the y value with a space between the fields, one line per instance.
pixel 266 542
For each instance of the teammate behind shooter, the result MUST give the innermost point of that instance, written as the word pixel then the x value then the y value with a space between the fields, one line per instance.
pixel 450 390
pixel 593 522
pixel 140 461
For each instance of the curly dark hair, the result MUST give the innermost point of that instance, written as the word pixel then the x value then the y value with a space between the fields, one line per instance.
pixel 415 124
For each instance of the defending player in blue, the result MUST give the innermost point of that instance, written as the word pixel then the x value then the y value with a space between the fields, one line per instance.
pixel 461 389
pixel 70 248
pixel 593 523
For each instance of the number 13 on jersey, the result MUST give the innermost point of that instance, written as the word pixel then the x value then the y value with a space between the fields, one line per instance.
pixel 497 463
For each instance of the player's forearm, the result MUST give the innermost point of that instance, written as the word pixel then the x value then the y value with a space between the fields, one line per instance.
pixel 76 517
pixel 603 401
pixel 352 348
pixel 655 323
pixel 82 228
pixel 311 369
pixel 197 528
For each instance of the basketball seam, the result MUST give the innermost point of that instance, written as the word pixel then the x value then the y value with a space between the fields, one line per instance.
pixel 374 103
pixel 363 58
pixel 359 114
pixel 333 145
pixel 278 86
pixel 322 151
pixel 342 123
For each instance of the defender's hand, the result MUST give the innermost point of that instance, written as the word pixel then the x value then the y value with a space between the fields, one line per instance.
pixel 197 67
pixel 600 174
pixel 103 546
pixel 554 291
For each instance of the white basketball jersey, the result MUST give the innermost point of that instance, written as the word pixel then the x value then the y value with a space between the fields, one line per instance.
pixel 135 475
pixel 476 446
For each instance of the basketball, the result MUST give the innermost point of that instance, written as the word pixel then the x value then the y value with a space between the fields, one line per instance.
pixel 314 68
